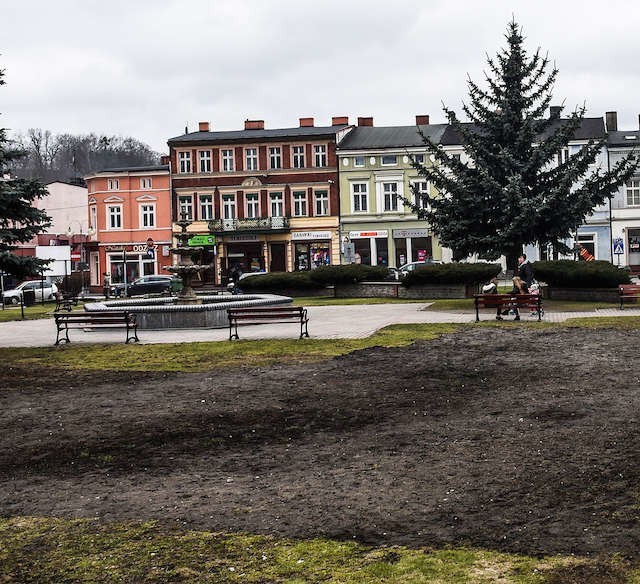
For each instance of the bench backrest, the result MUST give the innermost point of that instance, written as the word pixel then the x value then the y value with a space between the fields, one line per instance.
pixel 266 310
pixel 495 300
pixel 87 316
pixel 631 289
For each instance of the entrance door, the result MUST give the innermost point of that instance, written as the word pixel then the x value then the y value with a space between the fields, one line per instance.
pixel 278 258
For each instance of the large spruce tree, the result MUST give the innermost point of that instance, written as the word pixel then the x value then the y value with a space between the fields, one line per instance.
pixel 19 220
pixel 509 191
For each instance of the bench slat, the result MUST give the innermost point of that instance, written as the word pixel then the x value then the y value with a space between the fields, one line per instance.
pixel 267 314
pixel 628 292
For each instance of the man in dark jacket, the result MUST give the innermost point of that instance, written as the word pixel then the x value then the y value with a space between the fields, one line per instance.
pixel 525 270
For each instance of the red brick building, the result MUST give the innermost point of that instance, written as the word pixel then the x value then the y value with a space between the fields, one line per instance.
pixel 267 197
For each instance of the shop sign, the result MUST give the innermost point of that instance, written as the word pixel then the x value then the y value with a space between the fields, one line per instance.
pixel 136 248
pixel 298 235
pixel 230 238
pixel 410 233
pixel 361 234
pixel 202 240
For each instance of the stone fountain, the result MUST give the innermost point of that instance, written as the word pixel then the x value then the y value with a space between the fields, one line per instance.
pixel 187 310
pixel 186 269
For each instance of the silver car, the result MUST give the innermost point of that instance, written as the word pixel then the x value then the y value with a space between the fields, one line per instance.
pixel 43 291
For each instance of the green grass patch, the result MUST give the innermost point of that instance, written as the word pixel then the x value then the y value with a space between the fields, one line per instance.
pixel 36 311
pixel 59 550
pixel 211 355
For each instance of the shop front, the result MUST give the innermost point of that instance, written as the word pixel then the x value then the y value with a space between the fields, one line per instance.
pixel 371 247
pixel 311 249
pixel 241 253
pixel 412 245
pixel 125 263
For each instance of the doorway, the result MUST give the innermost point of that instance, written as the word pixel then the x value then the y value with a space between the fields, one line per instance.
pixel 278 258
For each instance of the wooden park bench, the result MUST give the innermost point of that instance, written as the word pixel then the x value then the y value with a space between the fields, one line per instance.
pixel 109 319
pixel 532 302
pixel 267 314
pixel 65 301
pixel 628 293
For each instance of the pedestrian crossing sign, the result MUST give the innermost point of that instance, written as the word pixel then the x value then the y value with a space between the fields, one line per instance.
pixel 618 245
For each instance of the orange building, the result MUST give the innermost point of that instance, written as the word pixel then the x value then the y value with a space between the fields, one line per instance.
pixel 129 223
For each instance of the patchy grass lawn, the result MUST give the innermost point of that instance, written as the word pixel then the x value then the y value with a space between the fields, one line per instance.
pixel 211 355
pixel 58 550
pixel 12 312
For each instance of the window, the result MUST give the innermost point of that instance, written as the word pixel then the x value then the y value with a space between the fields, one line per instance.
pixel 205 161
pixel 277 205
pixel 145 183
pixel 358 161
pixel 113 184
pixel 228 206
pixel 390 196
pixel 419 158
pixel 633 192
pixel 147 216
pixel 114 217
pixel 185 204
pixel 563 155
pixel 299 203
pixel 251 158
pixel 422 191
pixel 588 242
pixel 227 160
pixel 320 155
pixel 298 156
pixel 359 197
pixel 275 157
pixel 206 207
pixel 185 162
pixel 321 203
pixel 252 200
pixel 389 160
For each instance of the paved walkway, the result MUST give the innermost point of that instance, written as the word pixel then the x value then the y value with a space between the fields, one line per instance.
pixel 325 322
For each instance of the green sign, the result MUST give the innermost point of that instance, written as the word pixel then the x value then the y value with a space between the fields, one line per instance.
pixel 202 240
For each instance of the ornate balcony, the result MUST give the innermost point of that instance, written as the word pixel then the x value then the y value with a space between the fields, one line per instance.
pixel 257 225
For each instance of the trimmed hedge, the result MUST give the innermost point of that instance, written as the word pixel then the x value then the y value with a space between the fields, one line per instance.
pixel 276 281
pixel 574 274
pixel 453 273
pixel 348 274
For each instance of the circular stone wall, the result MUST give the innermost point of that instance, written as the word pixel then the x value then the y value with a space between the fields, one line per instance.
pixel 162 313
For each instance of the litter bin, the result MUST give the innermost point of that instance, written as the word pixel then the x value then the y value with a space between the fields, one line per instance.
pixel 29 297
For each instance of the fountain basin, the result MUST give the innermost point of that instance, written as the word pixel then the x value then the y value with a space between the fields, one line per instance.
pixel 162 313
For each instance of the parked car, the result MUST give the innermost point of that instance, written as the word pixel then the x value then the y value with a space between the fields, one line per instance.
pixel 146 285
pixel 42 290
pixel 411 266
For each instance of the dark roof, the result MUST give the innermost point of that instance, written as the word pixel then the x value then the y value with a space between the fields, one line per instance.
pixel 156 168
pixel 589 129
pixel 253 135
pixel 621 138
pixel 369 137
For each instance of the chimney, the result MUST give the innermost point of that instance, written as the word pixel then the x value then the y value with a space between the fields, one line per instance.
pixel 203 126
pixel 165 159
pixel 254 124
pixel 611 120
pixel 306 122
pixel 422 120
pixel 339 121
pixel 365 121
pixel 554 112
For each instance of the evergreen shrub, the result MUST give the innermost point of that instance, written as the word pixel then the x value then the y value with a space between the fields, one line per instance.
pixel 348 274
pixel 277 281
pixel 573 274
pixel 453 273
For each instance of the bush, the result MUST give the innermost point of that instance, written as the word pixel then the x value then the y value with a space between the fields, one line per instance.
pixel 348 274
pixel 277 281
pixel 573 274
pixel 454 273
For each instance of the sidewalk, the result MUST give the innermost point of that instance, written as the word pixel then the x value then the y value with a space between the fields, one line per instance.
pixel 325 322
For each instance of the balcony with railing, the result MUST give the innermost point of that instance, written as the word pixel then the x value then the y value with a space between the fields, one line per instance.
pixel 255 225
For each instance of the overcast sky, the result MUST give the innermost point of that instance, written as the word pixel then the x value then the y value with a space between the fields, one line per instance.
pixel 148 68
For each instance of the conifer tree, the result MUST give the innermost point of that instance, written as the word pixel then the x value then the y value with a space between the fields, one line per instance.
pixel 510 192
pixel 19 220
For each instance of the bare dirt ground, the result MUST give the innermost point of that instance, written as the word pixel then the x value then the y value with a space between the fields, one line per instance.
pixel 505 439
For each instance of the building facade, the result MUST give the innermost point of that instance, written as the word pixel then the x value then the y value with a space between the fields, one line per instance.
pixel 130 221
pixel 260 199
pixel 375 176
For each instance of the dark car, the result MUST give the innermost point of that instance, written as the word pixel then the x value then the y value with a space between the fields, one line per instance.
pixel 146 285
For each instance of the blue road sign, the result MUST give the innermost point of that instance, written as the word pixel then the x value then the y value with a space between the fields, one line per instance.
pixel 618 245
